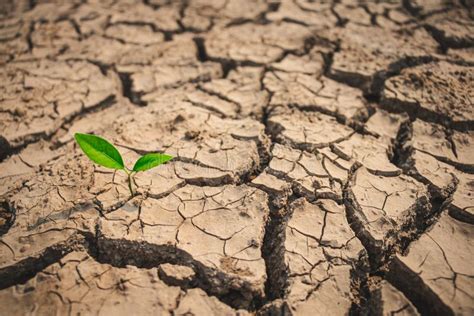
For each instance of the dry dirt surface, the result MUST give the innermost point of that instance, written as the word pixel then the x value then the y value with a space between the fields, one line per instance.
pixel 324 157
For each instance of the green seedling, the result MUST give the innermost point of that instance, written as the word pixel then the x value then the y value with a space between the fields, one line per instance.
pixel 106 155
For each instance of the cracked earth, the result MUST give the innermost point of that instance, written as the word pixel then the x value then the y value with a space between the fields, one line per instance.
pixel 324 157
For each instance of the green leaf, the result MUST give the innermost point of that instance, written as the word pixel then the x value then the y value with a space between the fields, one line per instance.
pixel 149 161
pixel 100 151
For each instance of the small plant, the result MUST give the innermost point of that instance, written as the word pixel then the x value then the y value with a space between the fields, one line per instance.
pixel 105 154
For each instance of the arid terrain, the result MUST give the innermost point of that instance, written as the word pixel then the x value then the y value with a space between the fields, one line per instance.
pixel 324 157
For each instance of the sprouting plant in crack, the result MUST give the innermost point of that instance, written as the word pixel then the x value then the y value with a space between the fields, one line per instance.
pixel 105 154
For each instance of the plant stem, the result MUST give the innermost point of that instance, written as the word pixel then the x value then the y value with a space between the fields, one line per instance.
pixel 130 184
pixel 129 175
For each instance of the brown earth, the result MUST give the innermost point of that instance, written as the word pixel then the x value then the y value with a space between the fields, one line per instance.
pixel 324 157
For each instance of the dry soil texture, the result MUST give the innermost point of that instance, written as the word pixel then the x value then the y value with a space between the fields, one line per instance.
pixel 324 157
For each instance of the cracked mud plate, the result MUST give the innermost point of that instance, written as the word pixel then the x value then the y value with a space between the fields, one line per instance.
pixel 323 157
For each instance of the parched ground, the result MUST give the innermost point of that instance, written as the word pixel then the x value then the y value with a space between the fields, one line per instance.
pixel 324 157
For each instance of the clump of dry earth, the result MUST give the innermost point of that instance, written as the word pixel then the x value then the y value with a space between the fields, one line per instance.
pixel 324 157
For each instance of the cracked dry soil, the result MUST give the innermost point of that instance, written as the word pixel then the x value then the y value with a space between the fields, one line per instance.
pixel 324 157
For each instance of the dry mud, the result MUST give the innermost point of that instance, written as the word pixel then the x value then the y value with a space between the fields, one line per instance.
pixel 324 157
